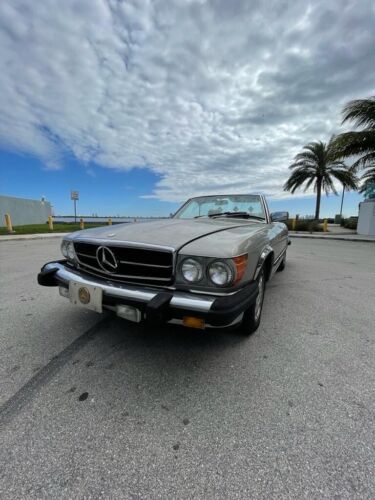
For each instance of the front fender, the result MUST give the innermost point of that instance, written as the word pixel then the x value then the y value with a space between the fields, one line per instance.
pixel 265 253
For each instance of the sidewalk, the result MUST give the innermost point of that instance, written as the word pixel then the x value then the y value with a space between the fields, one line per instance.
pixel 42 236
pixel 333 236
pixel 335 232
pixel 337 229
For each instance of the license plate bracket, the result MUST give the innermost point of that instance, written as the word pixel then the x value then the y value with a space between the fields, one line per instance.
pixel 87 296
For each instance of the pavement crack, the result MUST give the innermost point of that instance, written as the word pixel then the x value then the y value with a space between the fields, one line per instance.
pixel 28 391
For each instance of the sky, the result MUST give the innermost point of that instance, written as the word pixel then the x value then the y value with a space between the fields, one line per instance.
pixel 140 105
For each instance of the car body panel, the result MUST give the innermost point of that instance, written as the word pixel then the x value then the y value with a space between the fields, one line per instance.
pixel 204 237
pixel 173 233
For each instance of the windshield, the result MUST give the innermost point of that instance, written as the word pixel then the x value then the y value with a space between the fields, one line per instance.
pixel 208 206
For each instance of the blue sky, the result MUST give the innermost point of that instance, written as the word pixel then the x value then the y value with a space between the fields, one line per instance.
pixel 103 191
pixel 140 105
pixel 114 192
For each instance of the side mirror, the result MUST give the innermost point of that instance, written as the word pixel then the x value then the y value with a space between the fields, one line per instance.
pixel 279 216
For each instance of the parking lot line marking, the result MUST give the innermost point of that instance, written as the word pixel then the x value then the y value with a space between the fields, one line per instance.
pixel 27 392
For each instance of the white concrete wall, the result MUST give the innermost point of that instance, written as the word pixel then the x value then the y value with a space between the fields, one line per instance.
pixel 24 211
pixel 366 218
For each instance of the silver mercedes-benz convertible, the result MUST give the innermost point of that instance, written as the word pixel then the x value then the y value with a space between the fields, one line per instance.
pixel 207 266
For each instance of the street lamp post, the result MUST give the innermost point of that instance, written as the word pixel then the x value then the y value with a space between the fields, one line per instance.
pixel 74 195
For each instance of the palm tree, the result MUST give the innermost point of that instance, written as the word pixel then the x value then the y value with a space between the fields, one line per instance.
pixel 316 166
pixel 361 143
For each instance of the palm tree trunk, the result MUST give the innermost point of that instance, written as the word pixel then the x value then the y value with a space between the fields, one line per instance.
pixel 318 196
pixel 342 201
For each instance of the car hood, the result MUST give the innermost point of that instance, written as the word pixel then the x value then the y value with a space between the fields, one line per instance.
pixel 173 233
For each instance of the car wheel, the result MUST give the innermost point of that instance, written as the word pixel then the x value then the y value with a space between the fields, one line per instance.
pixel 283 264
pixel 252 315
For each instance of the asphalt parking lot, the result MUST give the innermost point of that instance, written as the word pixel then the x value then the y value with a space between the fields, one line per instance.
pixel 94 407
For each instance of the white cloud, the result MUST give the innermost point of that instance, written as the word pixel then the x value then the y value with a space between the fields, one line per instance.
pixel 212 95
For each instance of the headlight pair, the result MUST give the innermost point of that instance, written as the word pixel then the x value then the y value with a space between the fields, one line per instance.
pixel 67 249
pixel 219 272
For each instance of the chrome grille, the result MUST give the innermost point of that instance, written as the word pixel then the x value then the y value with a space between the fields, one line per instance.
pixel 133 264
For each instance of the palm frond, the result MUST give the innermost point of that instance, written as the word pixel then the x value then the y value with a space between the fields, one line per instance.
pixel 309 183
pixel 306 156
pixel 369 174
pixel 367 179
pixel 353 144
pixel 346 177
pixel 365 161
pixel 296 180
pixel 361 112
pixel 327 184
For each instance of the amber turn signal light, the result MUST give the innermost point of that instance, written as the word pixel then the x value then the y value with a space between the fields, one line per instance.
pixel 192 322
pixel 240 262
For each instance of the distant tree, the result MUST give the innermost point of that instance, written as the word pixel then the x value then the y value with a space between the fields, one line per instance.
pixel 359 143
pixel 317 167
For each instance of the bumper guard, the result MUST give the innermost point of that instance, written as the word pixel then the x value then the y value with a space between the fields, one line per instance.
pixel 158 305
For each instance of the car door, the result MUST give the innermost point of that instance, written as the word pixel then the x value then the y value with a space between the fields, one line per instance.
pixel 278 236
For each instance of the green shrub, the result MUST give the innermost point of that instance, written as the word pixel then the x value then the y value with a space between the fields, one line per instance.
pixel 305 225
pixel 350 223
pixel 43 228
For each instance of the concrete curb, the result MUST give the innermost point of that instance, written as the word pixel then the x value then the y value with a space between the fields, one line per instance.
pixel 340 238
pixel 20 237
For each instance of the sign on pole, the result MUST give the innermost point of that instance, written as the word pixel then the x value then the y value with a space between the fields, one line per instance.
pixel 74 195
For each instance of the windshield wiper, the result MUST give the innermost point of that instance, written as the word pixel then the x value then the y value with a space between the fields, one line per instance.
pixel 217 213
pixel 232 214
pixel 237 214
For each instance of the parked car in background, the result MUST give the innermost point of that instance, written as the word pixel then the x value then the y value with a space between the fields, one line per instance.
pixel 207 266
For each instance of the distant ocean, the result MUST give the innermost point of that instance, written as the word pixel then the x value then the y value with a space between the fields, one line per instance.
pixel 115 220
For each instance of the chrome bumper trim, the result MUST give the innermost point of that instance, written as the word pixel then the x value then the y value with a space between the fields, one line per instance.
pixel 180 300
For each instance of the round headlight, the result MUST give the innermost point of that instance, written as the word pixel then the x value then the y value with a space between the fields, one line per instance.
pixel 191 270
pixel 70 250
pixel 64 249
pixel 220 273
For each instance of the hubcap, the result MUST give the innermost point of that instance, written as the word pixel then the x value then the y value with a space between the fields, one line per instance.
pixel 259 299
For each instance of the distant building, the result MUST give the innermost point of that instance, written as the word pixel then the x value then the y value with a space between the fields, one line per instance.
pixel 24 211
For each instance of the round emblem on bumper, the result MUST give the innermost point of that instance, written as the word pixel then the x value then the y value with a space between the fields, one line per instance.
pixel 84 295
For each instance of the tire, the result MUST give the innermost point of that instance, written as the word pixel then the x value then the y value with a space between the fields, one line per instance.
pixel 251 319
pixel 282 265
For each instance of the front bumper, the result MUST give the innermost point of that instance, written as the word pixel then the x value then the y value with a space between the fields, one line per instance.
pixel 157 305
